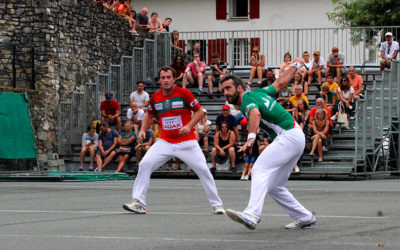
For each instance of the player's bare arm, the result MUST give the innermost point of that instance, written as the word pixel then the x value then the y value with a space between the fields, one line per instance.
pixel 145 126
pixel 285 78
pixel 254 122
pixel 198 115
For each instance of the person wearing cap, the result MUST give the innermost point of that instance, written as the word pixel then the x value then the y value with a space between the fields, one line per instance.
pixel 110 110
pixel 228 118
pixel 389 50
pixel 203 128
pixel 335 63
pixel 318 66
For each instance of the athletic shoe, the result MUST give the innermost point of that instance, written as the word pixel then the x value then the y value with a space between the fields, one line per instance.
pixel 247 220
pixel 135 206
pixel 219 210
pixel 296 169
pixel 243 178
pixel 302 224
pixel 81 168
pixel 246 178
pixel 91 168
pixel 199 92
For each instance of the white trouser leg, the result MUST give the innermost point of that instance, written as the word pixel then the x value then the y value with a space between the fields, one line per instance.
pixel 271 172
pixel 190 152
pixel 158 154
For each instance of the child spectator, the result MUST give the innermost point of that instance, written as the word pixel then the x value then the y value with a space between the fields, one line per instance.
pixel 126 142
pixel 346 93
pixel 194 73
pixel 155 23
pixel 140 96
pixel 321 130
pixel 224 144
pixel 167 22
pixel 257 61
pixel 298 80
pixel 317 67
pixel 107 146
pixel 217 73
pixel 203 127
pixel 110 111
pixel 330 98
pixel 287 62
pixel 250 156
pixel 179 66
pixel 90 141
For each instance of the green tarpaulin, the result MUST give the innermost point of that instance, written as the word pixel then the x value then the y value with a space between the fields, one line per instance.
pixel 16 135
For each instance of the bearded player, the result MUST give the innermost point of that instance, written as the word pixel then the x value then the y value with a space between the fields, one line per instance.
pixel 272 168
pixel 173 105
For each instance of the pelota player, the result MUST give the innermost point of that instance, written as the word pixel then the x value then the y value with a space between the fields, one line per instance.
pixel 272 168
pixel 173 105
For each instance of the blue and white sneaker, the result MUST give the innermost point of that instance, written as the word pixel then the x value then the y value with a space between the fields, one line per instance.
pixel 135 206
pixel 302 224
pixel 247 220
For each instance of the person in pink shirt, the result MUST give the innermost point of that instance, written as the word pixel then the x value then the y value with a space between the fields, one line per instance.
pixel 356 82
pixel 195 73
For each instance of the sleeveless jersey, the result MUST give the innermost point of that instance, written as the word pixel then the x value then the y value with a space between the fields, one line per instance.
pixel 274 118
pixel 174 112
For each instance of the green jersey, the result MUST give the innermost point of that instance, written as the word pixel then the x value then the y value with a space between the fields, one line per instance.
pixel 274 118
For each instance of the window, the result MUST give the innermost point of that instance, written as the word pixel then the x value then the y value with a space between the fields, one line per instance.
pixel 241 52
pixel 238 9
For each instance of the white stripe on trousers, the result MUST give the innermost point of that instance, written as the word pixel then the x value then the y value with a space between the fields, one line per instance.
pixel 270 174
pixel 162 151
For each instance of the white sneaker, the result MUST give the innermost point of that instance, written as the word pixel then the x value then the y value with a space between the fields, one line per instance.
pixel 302 224
pixel 247 220
pixel 324 149
pixel 219 210
pixel 296 169
pixel 246 178
pixel 135 206
pixel 242 178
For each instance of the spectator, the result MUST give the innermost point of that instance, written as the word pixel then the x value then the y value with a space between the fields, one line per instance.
pixel 284 94
pixel 110 110
pixel 179 66
pixel 140 96
pixel 194 73
pixel 142 20
pixel 320 105
pixel 250 156
pixel 389 50
pixel 321 130
pixel 333 86
pixel 175 40
pixel 270 79
pixel 307 65
pixel 287 62
pixel 334 64
pixel 143 146
pixel 107 146
pixel 124 11
pixel 356 82
pixel 330 99
pixel 167 22
pixel 196 49
pixel 203 127
pixel 298 80
pixel 257 61
pixel 288 106
pixel 90 141
pixel 217 73
pixel 224 144
pixel 298 90
pixel 155 23
pixel 302 113
pixel 317 67
pixel 110 4
pixel 127 143
pixel 240 119
pixel 265 143
pixel 135 115
pixel 177 162
pixel 229 119
pixel 346 93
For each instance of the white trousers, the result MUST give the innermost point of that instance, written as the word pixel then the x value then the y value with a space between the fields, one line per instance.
pixel 270 174
pixel 188 152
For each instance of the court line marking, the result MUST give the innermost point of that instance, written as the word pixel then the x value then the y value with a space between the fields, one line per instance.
pixel 175 239
pixel 168 213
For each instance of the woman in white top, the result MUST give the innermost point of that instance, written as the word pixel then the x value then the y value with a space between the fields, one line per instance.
pixel 287 62
pixel 203 128
pixel 257 61
pixel 346 93
pixel 155 23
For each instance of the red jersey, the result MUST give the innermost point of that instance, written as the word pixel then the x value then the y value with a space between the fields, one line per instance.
pixel 174 112
pixel 110 109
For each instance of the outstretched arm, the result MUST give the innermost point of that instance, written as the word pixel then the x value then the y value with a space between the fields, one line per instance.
pixel 285 78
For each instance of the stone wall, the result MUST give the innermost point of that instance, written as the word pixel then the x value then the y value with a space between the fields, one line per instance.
pixel 72 40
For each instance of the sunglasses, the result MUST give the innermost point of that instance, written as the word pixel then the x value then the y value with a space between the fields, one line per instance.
pixel 335 50
pixel 255 50
pixel 224 126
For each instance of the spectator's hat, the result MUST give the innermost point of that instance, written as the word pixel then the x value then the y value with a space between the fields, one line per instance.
pixel 108 95
pixel 317 52
pixel 225 107
pixel 388 34
pixel 221 159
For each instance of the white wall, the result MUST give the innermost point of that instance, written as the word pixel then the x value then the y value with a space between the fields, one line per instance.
pixel 200 15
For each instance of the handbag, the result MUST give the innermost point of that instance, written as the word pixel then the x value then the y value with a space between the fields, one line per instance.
pixel 124 149
pixel 342 118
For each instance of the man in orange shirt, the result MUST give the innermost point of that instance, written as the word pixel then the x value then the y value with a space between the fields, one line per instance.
pixel 356 82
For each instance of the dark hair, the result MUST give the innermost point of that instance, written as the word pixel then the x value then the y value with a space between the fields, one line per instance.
pixel 215 55
pixel 104 124
pixel 176 58
pixel 347 87
pixel 166 68
pixel 306 52
pixel 90 127
pixel 304 103
pixel 288 104
pixel 168 18
pixel 224 122
pixel 331 75
pixel 137 83
pixel 270 70
pixel 236 80
pixel 287 54
pixel 154 13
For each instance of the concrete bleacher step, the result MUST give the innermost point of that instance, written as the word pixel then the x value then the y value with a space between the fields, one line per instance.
pixel 328 168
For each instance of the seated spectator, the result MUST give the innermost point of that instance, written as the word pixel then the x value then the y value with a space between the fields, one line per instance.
pixel 257 61
pixel 333 86
pixel 167 22
pixel 302 113
pixel 321 130
pixel 298 90
pixel 317 67
pixel 110 4
pixel 175 40
pixel 90 141
pixel 142 20
pixel 307 65
pixel 298 80
pixel 108 142
pixel 179 66
pixel 196 49
pixel 356 82
pixel 320 105
pixel 124 11
pixel 346 93
pixel 265 142
pixel 240 119
pixel 229 119
pixel 250 156
pixel 177 163
pixel 284 94
pixel 143 146
pixel 203 127
pixel 287 62
pixel 110 111
pixel 270 79
pixel 127 143
pixel 288 106
pixel 140 96
pixel 330 99
pixel 389 50
pixel 334 64
pixel 217 73
pixel 224 144
pixel 194 73
pixel 135 115
pixel 155 23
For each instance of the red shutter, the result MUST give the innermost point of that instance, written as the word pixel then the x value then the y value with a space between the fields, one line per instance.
pixel 217 46
pixel 254 42
pixel 254 9
pixel 221 9
pixel 181 44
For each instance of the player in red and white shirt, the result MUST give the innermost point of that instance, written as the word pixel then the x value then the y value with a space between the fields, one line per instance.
pixel 173 106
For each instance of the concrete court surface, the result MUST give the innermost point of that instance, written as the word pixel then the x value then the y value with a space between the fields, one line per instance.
pixel 88 215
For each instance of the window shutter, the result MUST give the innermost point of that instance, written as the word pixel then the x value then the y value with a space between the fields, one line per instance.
pixel 254 9
pixel 221 9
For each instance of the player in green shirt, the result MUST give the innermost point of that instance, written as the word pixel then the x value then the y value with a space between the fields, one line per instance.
pixel 272 168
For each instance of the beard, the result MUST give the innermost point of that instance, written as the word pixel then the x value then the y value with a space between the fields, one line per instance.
pixel 234 99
